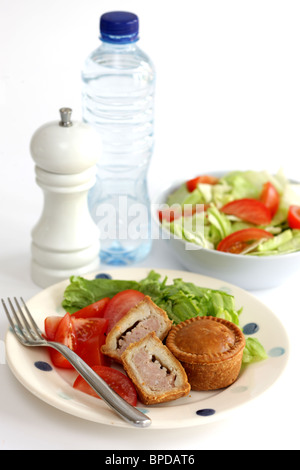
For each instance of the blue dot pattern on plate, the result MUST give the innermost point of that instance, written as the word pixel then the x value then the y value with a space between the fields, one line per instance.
pixel 103 276
pixel 43 366
pixel 64 395
pixel 143 410
pixel 206 412
pixel 276 352
pixel 250 329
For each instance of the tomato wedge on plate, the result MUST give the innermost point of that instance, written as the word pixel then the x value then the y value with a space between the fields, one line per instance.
pixel 294 217
pixel 236 242
pixel 87 328
pixel 270 197
pixel 85 336
pixel 120 304
pixel 118 381
pixel 66 335
pixel 94 310
pixel 51 325
pixel 84 328
pixel 249 210
pixel 90 351
pixel 203 179
pixel 90 333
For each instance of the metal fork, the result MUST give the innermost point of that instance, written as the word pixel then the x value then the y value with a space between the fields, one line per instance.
pixel 29 334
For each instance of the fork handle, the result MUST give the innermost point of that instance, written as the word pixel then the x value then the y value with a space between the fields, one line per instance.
pixel 124 409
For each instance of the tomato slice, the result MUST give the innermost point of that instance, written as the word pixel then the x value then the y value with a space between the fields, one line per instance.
pixel 120 304
pixel 203 179
pixel 169 214
pixel 186 211
pixel 118 381
pixel 90 351
pixel 51 325
pixel 87 328
pixel 294 217
pixel 94 310
pixel 236 242
pixel 249 210
pixel 85 336
pixel 270 197
pixel 66 335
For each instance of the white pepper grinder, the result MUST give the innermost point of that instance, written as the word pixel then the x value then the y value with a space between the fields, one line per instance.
pixel 65 241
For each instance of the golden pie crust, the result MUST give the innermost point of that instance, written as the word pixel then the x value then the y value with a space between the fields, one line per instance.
pixel 210 350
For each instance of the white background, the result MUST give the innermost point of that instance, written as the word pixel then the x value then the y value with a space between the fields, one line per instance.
pixel 228 97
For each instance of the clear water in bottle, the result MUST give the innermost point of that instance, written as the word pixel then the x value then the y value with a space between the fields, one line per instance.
pixel 118 99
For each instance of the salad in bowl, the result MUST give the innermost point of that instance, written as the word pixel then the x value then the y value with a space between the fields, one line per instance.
pixel 250 213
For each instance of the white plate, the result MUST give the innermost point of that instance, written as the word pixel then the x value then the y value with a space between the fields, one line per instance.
pixel 55 386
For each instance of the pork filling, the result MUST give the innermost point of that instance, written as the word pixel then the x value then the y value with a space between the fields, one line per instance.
pixel 155 375
pixel 138 331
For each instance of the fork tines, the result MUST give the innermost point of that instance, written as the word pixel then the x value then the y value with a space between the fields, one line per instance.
pixel 23 326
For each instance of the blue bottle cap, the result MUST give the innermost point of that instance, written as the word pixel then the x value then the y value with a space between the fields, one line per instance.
pixel 119 27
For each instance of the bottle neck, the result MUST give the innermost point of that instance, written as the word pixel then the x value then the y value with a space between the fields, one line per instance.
pixel 109 46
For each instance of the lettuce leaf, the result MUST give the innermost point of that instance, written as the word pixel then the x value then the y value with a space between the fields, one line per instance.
pixel 253 352
pixel 220 221
pixel 249 184
pixel 82 292
pixel 181 300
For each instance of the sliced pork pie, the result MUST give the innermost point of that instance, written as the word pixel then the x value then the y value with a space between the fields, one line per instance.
pixel 145 318
pixel 157 375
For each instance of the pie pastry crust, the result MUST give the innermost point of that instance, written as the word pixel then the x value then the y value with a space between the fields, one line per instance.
pixel 210 350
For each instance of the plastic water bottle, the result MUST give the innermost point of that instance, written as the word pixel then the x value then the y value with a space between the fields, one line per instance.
pixel 118 99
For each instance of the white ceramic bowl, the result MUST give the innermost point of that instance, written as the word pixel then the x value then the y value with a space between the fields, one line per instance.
pixel 248 272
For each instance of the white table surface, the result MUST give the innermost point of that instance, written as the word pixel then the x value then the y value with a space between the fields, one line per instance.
pixel 233 103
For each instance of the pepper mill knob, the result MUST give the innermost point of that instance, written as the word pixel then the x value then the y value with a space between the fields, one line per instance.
pixel 65 117
pixel 65 241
